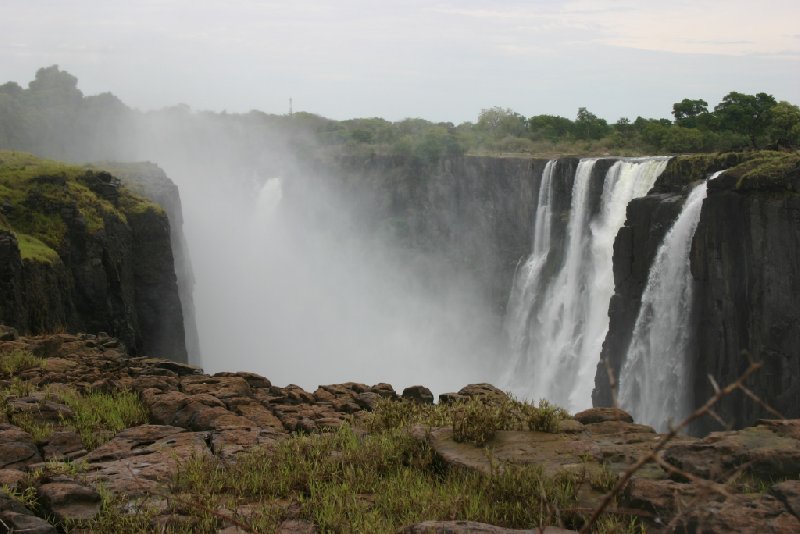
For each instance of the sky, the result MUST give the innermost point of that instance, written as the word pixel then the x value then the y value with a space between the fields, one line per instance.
pixel 439 60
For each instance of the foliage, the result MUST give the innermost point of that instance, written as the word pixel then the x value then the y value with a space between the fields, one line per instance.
pixel 99 416
pixel 475 420
pixel 53 117
pixel 96 416
pixel 32 249
pixel 374 483
pixel 16 360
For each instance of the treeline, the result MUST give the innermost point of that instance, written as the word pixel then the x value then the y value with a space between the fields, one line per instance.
pixel 52 118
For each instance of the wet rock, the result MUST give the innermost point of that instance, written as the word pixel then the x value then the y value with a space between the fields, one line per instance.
pixel 8 333
pixel 451 398
pixel 69 501
pixel 368 400
pixel 483 391
pixel 306 425
pixel 163 406
pixel 661 497
pixel 419 394
pixel 63 445
pixel 758 450
pixel 223 387
pixel 254 380
pixel 788 493
pixel 42 410
pixel 259 415
pixel 599 415
pixel 226 444
pixel 296 395
pixel 740 513
pixel 384 390
pixel 141 459
pixel 17 448
pixel 14 517
pixel 11 478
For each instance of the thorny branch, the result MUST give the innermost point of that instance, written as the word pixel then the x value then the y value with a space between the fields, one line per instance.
pixel 697 414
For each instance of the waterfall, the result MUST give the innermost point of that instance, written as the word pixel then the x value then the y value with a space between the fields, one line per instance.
pixel 558 326
pixel 526 282
pixel 655 380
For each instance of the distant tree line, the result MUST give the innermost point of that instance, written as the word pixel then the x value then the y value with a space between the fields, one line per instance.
pixel 52 117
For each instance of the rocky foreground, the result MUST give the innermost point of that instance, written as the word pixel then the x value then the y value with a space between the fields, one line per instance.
pixel 56 477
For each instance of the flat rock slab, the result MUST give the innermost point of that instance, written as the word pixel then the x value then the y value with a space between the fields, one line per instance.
pixel 17 448
pixel 554 452
pixel 137 460
pixel 767 451
pixel 69 501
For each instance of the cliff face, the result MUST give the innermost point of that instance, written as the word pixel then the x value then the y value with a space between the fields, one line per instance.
pixel 746 261
pixel 475 213
pixel 745 266
pixel 81 252
pixel 150 181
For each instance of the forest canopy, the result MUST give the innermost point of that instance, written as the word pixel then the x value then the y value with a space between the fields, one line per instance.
pixel 53 118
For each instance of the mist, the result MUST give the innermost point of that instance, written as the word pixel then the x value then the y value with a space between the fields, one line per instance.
pixel 295 279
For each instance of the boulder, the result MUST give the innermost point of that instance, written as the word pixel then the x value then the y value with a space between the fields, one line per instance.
pixel 69 501
pixel 419 394
pixel 17 448
pixel 599 415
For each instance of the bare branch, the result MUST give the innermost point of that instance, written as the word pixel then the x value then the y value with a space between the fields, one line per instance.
pixel 697 414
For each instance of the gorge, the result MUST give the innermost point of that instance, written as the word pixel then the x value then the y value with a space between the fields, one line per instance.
pixel 527 273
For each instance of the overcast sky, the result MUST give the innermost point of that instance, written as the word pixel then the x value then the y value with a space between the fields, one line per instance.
pixel 440 60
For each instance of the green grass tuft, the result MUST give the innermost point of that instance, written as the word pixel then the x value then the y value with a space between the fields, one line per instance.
pixel 32 249
pixel 16 360
pixel 100 416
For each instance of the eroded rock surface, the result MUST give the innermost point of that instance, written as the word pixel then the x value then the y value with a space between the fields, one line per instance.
pixel 217 418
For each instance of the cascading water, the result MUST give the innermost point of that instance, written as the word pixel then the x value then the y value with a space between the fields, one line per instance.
pixel 654 384
pixel 557 327
pixel 526 282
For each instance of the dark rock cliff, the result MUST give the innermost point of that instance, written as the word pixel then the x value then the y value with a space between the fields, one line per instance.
pixel 746 268
pixel 746 261
pixel 476 213
pixel 150 181
pixel 78 251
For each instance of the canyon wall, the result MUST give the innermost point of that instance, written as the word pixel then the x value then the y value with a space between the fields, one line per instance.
pixel 745 264
pixel 80 252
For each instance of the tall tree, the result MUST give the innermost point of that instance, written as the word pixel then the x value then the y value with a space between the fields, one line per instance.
pixel 747 114
pixel 687 111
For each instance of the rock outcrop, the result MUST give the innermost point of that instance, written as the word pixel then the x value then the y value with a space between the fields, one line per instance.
pixel 697 483
pixel 80 252
pixel 745 267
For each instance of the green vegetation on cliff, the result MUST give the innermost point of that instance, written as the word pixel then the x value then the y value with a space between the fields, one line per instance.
pixel 40 199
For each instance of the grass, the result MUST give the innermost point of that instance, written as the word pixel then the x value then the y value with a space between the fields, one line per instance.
pixel 16 360
pixel 476 420
pixel 99 416
pixel 26 497
pixel 96 416
pixel 41 192
pixel 349 482
pixel 768 170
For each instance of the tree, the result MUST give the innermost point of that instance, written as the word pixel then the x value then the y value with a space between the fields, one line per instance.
pixel 747 114
pixel 784 128
pixel 590 126
pixel 550 127
pixel 499 122
pixel 688 111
